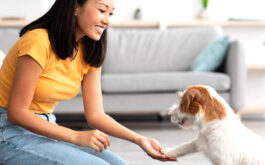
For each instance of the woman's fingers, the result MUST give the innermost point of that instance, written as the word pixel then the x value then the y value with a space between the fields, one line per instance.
pixel 161 157
pixel 153 149
pixel 101 140
pixel 107 139
pixel 93 138
pixel 95 147
pixel 100 146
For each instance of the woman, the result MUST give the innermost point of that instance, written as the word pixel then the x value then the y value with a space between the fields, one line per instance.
pixel 54 54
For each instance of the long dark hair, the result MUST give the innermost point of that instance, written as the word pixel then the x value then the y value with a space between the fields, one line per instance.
pixel 60 22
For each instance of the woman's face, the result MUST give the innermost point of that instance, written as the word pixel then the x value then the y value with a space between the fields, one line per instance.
pixel 93 18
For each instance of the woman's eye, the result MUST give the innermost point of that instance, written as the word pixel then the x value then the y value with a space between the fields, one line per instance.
pixel 110 14
pixel 102 11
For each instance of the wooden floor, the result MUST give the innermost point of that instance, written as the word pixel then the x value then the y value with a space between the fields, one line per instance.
pixel 168 135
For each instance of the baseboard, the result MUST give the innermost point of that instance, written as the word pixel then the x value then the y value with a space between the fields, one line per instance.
pixel 253 116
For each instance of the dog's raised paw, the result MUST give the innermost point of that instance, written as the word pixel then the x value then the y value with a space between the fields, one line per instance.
pixel 167 151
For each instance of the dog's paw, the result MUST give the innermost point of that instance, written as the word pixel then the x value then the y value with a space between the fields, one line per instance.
pixel 168 151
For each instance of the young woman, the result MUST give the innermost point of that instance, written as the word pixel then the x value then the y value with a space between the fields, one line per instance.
pixel 54 54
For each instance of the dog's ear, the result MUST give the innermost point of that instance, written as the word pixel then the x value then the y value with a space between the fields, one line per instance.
pixel 210 106
pixel 191 101
pixel 214 110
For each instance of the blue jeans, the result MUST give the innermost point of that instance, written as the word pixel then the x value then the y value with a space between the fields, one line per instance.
pixel 19 146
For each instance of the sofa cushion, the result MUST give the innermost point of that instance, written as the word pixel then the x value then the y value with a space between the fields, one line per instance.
pixel 212 56
pixel 153 50
pixel 162 82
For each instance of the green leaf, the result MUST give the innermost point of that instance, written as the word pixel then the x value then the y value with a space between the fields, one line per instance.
pixel 205 3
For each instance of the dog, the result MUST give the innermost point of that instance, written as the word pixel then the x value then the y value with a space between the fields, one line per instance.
pixel 221 135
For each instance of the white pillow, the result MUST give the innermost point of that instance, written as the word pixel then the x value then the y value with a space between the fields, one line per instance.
pixel 2 56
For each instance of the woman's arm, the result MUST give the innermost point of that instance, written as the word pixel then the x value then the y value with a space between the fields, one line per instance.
pixel 21 94
pixel 92 98
pixel 94 111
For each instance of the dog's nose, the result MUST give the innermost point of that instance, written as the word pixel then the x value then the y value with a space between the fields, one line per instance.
pixel 180 122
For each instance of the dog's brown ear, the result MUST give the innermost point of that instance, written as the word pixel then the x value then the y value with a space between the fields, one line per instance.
pixel 214 110
pixel 191 101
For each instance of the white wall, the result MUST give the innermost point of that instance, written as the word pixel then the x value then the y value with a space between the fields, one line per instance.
pixel 156 9
pixel 30 9
pixel 174 10
pixel 164 10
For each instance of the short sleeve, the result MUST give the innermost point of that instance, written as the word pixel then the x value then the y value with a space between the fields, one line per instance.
pixel 36 44
pixel 91 68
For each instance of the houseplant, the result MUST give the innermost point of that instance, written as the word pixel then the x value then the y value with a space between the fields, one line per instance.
pixel 205 3
pixel 137 14
pixel 203 13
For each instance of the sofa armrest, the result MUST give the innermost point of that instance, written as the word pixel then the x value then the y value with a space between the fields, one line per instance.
pixel 235 67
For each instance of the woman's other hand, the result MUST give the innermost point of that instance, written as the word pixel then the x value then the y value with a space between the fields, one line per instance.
pixel 153 149
pixel 94 139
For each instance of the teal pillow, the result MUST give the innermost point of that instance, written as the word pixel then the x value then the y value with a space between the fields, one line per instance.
pixel 212 56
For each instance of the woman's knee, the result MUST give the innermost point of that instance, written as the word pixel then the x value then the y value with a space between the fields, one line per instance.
pixel 47 153
pixel 106 155
pixel 111 158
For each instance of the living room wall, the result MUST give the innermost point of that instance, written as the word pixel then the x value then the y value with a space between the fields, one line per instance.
pixel 178 10
pixel 168 10
pixel 163 10
pixel 30 9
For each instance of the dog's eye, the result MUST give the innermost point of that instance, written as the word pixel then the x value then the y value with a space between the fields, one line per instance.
pixel 182 121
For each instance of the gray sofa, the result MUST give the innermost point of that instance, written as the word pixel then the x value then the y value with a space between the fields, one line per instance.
pixel 145 67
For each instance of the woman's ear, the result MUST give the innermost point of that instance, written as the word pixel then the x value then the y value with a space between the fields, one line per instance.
pixel 76 9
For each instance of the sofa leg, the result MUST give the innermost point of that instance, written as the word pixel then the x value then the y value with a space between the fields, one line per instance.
pixel 238 113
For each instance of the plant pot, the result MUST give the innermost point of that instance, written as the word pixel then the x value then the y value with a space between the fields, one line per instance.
pixel 203 14
pixel 137 14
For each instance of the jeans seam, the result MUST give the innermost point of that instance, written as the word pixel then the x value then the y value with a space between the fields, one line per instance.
pixel 15 147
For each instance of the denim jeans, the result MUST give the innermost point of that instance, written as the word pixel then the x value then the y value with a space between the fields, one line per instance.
pixel 19 146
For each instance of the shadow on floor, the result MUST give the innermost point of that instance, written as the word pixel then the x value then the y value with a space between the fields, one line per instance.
pixel 78 121
pixel 143 121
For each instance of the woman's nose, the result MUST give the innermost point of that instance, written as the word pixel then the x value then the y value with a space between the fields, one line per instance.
pixel 106 20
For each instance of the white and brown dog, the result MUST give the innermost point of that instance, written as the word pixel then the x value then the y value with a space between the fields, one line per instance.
pixel 222 137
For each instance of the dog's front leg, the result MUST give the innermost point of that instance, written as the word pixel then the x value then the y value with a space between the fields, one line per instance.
pixel 182 149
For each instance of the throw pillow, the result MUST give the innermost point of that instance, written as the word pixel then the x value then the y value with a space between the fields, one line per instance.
pixel 212 56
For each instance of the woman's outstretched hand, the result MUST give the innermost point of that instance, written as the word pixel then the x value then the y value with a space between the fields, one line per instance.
pixel 153 149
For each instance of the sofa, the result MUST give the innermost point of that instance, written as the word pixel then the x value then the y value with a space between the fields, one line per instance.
pixel 145 67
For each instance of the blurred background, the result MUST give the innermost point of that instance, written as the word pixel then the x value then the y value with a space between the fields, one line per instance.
pixel 241 20
pixel 163 10
pixel 246 23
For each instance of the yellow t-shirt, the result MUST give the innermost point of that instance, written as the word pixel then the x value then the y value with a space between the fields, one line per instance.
pixel 59 80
